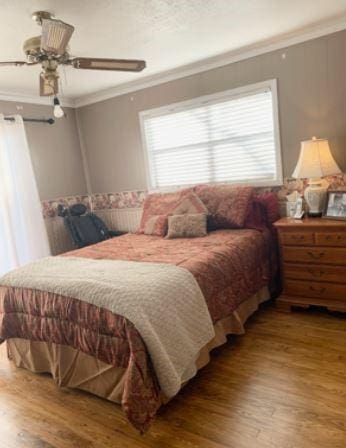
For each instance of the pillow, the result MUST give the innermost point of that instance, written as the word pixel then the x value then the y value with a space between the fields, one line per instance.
pixel 256 217
pixel 187 225
pixel 156 225
pixel 227 204
pixel 189 204
pixel 176 203
pixel 160 204
pixel 270 203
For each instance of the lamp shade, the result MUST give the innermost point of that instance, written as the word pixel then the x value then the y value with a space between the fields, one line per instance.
pixel 315 160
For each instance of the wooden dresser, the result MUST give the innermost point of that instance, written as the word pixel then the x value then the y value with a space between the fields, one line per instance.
pixel 313 257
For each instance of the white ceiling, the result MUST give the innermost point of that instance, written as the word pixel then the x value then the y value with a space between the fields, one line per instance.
pixel 166 33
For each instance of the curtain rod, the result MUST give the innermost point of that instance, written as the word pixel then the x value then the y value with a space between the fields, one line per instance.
pixel 34 120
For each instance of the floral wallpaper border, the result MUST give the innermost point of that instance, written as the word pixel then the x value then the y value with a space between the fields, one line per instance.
pixel 50 206
pixel 135 199
pixel 100 201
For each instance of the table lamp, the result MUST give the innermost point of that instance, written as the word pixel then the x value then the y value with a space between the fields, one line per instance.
pixel 315 161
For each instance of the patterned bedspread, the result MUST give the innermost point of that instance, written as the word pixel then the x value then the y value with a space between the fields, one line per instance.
pixel 229 266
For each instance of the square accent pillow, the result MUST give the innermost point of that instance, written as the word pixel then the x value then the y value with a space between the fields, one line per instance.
pixel 227 204
pixel 187 225
pixel 189 204
pixel 160 204
pixel 156 225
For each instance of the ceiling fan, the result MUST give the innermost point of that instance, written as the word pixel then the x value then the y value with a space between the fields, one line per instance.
pixel 51 50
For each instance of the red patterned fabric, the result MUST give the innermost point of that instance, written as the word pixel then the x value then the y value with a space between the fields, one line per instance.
pixel 160 204
pixel 156 225
pixel 189 204
pixel 47 317
pixel 271 204
pixel 229 266
pixel 227 204
pixel 256 217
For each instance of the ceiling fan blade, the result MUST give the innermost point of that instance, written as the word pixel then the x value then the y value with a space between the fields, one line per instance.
pixel 123 65
pixel 48 86
pixel 55 36
pixel 9 63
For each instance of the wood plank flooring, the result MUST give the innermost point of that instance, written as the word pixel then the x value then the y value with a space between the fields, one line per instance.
pixel 281 385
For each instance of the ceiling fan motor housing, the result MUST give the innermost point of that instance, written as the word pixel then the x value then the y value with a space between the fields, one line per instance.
pixel 32 48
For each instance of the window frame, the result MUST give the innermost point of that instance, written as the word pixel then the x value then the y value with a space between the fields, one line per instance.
pixel 215 98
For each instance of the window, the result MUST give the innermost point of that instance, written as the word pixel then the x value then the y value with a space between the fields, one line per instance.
pixel 228 137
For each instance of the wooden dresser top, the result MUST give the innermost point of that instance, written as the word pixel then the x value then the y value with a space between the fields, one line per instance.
pixel 310 223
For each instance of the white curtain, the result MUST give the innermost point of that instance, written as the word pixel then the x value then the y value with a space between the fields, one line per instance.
pixel 23 236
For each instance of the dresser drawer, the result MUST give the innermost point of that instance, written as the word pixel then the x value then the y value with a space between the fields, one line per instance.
pixel 316 255
pixel 297 238
pixel 330 238
pixel 315 289
pixel 319 273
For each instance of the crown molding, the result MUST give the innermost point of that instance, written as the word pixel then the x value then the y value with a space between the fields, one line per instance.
pixel 46 101
pixel 250 51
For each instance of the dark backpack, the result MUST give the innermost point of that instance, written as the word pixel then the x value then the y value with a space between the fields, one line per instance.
pixel 84 228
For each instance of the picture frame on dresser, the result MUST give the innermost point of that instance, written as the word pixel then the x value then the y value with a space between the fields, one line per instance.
pixel 335 206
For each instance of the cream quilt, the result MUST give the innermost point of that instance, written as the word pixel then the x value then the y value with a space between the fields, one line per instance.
pixel 163 301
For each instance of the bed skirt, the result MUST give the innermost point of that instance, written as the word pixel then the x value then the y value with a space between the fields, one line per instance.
pixel 73 369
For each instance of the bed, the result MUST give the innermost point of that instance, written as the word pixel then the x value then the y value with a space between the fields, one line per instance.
pixel 91 348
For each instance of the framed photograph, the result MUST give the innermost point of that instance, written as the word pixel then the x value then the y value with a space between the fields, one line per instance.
pixel 335 207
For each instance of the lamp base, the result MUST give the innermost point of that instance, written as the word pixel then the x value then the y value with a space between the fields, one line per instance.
pixel 315 196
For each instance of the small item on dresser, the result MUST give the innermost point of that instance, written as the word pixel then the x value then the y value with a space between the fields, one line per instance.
pixel 294 205
pixel 313 262
pixel 299 212
pixel 335 207
pixel 187 226
pixel 291 204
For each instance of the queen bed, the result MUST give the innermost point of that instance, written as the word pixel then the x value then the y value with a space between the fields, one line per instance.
pixel 87 346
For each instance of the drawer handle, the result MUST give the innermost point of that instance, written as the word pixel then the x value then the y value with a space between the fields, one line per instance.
pixel 319 290
pixel 298 237
pixel 316 273
pixel 316 256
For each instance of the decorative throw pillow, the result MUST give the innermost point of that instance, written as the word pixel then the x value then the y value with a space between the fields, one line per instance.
pixel 227 204
pixel 156 225
pixel 189 203
pixel 159 204
pixel 187 226
pixel 271 204
pixel 256 215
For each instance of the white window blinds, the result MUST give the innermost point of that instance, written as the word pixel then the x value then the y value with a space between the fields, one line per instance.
pixel 232 138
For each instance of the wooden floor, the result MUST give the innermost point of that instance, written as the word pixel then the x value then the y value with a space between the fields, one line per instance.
pixel 281 385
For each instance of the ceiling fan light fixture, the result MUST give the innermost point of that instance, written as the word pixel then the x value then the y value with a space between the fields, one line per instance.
pixel 48 85
pixel 58 111
pixel 55 36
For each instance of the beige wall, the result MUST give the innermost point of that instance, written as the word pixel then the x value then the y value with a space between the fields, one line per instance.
pixel 55 150
pixel 312 101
